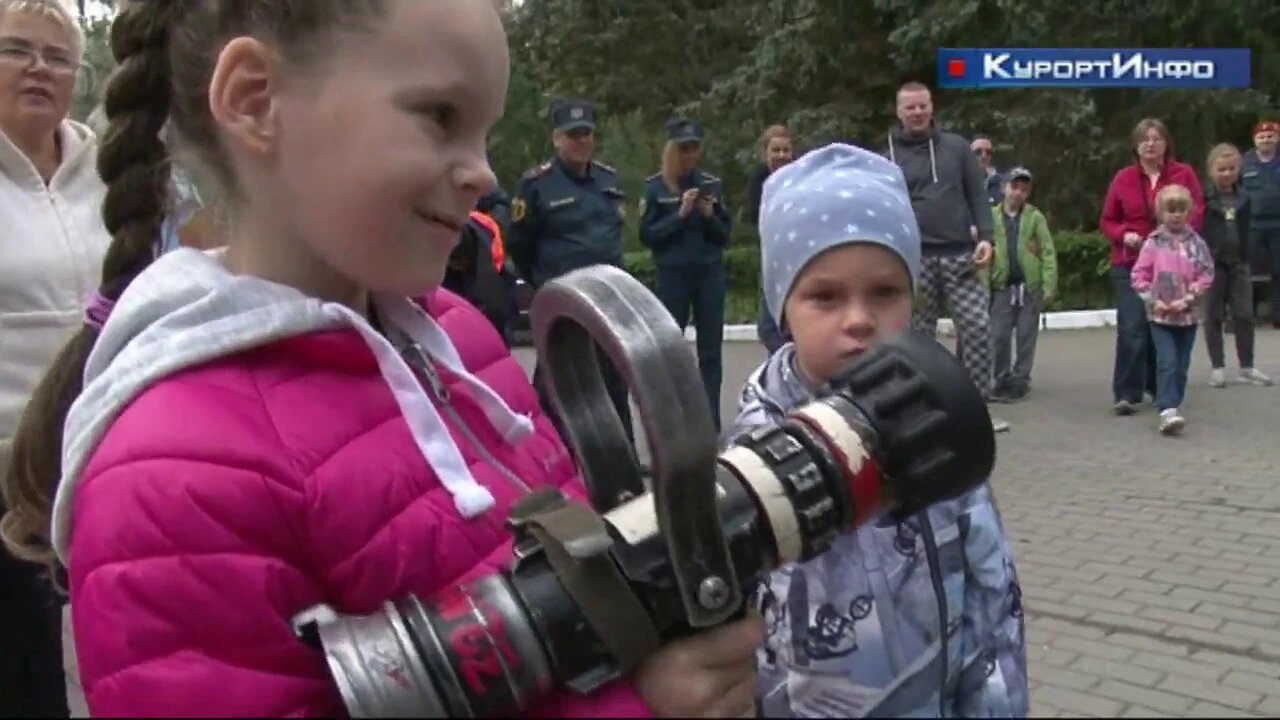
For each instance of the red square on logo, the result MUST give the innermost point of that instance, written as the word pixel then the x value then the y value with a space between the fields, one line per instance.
pixel 955 67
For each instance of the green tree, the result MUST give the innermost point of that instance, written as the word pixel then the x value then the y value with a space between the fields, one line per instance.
pixel 829 68
pixel 98 65
pixel 523 137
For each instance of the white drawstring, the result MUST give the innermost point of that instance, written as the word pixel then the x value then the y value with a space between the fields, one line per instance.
pixel 427 428
pixel 933 159
pixel 409 317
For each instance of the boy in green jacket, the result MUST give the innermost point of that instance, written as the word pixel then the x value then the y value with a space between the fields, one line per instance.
pixel 1024 278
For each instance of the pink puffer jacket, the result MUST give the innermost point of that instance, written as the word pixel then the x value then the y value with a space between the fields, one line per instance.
pixel 228 497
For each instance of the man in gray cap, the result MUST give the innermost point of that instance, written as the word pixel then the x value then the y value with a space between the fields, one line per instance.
pixel 567 213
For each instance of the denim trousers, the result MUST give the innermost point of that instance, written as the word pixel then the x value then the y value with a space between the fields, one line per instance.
pixel 1173 359
pixel 1135 370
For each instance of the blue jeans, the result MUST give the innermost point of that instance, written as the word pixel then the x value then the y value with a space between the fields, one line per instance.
pixel 1135 370
pixel 1173 359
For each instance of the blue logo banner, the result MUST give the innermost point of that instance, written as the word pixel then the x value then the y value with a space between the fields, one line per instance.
pixel 981 68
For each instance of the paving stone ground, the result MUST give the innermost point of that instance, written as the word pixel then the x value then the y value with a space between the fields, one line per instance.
pixel 1150 566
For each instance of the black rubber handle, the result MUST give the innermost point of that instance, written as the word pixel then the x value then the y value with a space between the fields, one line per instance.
pixel 936 441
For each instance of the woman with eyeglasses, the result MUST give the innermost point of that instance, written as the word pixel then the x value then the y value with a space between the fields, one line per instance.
pixel 52 242
pixel 1128 217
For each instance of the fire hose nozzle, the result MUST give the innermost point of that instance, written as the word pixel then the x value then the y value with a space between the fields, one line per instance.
pixel 595 590
pixel 934 435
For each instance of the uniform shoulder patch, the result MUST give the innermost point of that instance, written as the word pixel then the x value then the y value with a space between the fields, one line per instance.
pixel 604 167
pixel 537 171
pixel 519 208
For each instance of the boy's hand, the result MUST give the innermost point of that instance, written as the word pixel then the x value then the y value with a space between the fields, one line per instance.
pixel 1132 239
pixel 1161 307
pixel 711 674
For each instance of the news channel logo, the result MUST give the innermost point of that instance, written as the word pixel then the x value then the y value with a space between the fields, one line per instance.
pixel 984 68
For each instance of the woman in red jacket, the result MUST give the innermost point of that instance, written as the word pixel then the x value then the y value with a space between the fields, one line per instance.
pixel 1128 217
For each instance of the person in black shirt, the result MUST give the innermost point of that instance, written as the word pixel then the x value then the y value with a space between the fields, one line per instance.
pixel 1226 232
pixel 777 150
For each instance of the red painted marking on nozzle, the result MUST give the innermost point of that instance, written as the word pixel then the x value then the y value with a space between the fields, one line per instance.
pixel 864 481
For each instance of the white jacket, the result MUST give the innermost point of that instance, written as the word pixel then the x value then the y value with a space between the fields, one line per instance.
pixel 52 242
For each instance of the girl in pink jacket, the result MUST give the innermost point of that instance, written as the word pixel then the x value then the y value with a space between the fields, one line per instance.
pixel 1173 272
pixel 240 435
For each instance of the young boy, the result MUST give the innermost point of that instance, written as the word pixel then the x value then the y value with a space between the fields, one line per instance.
pixel 1024 278
pixel 917 618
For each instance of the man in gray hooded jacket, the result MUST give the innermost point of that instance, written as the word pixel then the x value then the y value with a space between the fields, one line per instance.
pixel 947 189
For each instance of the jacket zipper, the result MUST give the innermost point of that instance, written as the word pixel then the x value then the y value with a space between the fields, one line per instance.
pixel 421 361
pixel 940 592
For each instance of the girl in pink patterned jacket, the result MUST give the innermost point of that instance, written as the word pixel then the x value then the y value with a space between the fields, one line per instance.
pixel 304 418
pixel 1173 272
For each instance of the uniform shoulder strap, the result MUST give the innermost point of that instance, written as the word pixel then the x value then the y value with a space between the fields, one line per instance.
pixel 537 171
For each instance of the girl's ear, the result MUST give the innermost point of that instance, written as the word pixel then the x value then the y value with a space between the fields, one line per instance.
pixel 242 94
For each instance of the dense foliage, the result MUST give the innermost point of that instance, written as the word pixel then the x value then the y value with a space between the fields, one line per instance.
pixel 829 68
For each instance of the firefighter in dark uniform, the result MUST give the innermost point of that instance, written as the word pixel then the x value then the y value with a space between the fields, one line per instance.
pixel 685 223
pixel 566 214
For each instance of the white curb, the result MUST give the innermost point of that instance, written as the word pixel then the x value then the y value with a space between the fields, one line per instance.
pixel 1068 320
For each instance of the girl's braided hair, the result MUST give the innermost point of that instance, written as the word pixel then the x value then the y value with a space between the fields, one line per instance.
pixel 167 51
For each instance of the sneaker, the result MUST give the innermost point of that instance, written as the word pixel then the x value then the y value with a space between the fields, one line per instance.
pixel 1254 376
pixel 1124 408
pixel 998 425
pixel 1218 378
pixel 1171 423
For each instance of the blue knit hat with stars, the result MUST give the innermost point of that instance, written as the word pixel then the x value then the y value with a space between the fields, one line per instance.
pixel 835 195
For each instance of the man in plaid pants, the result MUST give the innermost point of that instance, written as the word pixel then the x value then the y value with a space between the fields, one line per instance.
pixel 947 190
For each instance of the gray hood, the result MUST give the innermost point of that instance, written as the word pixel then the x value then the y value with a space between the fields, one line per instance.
pixel 770 391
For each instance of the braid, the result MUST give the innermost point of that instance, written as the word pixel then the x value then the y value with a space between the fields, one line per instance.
pixel 133 160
